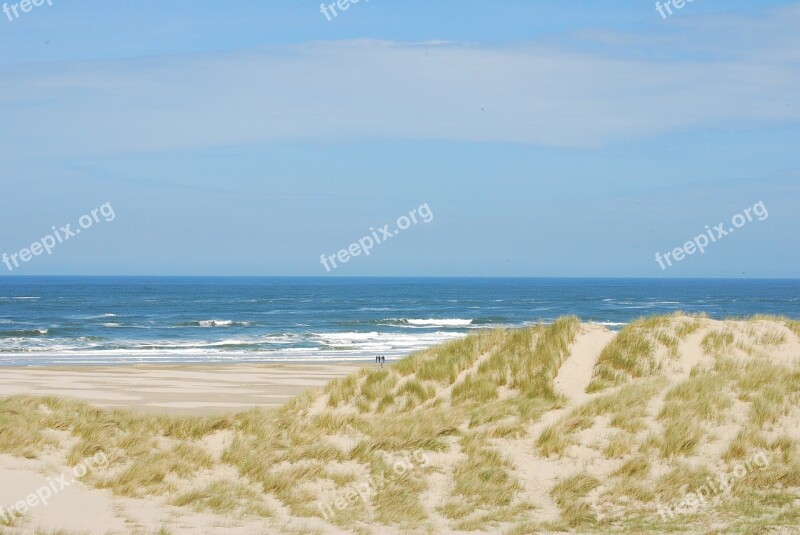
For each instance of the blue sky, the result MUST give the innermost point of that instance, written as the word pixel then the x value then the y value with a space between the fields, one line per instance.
pixel 548 139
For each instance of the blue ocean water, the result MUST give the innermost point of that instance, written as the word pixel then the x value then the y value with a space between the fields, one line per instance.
pixel 107 320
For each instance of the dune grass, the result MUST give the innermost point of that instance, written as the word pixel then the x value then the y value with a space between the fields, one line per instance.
pixel 558 437
pixel 618 445
pixel 688 406
pixel 21 422
pixel 626 407
pixel 569 493
pixel 150 474
pixel 630 355
pixel 682 478
pixel 409 432
pixel 474 389
pixel 443 363
pixel 341 390
pixel 630 481
pixel 398 492
pixel 533 372
pixel 415 392
pixel 717 343
pixel 225 497
pixel 378 383
pixel 791 324
pixel 482 481
pixel 526 363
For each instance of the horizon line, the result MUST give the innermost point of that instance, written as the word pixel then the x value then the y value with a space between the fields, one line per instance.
pixel 344 277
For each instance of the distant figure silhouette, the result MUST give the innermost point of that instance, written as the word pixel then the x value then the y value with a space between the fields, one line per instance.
pixel 383 361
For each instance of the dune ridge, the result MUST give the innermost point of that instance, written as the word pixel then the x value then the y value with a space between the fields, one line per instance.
pixel 566 427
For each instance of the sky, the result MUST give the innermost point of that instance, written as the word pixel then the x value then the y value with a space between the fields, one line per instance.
pixel 546 138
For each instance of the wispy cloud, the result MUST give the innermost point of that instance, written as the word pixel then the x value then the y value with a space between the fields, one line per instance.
pixel 538 93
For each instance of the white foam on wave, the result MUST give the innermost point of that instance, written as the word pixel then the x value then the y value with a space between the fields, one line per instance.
pixel 231 342
pixel 222 323
pixel 321 346
pixel 374 341
pixel 279 339
pixel 456 322
pixel 215 323
pixel 95 317
pixel 346 337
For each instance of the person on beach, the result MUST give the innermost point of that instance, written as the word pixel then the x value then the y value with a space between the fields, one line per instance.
pixel 383 361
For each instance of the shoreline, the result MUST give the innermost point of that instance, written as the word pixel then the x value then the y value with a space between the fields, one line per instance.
pixel 72 360
pixel 194 389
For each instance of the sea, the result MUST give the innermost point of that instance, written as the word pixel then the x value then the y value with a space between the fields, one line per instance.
pixel 131 320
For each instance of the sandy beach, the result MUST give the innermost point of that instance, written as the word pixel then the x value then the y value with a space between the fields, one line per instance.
pixel 173 389
pixel 577 436
pixel 147 389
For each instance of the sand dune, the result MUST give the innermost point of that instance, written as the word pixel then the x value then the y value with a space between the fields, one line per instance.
pixel 675 424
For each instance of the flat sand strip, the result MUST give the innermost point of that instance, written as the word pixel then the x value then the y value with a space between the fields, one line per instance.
pixel 183 389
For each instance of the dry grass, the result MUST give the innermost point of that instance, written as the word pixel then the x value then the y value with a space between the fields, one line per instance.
pixel 682 478
pixel 558 437
pixel 772 338
pixel 155 473
pixel 569 493
pixel 224 497
pixel 626 407
pixel 477 390
pixel 533 372
pixel 688 406
pixel 415 392
pixel 717 343
pixel 618 445
pixel 409 432
pixel 631 482
pixel 21 422
pixel 681 437
pixel 631 355
pixel 482 481
pixel 287 484
pixel 793 325
pixel 443 363
pixel 397 501
pixel 341 390
pixel 378 384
